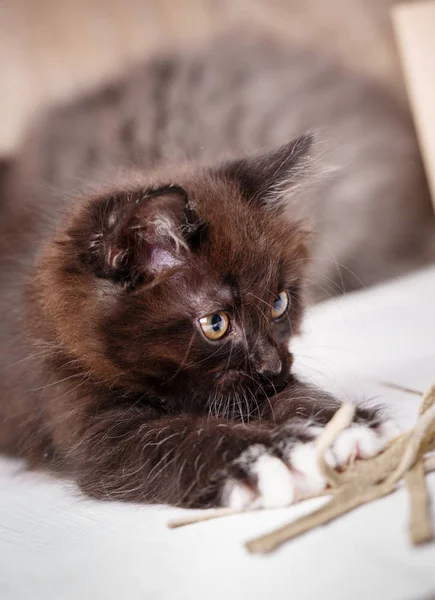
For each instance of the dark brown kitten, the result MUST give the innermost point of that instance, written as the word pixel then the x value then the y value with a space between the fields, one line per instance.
pixel 160 308
pixel 131 393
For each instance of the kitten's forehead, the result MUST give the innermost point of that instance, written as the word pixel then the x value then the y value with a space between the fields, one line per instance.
pixel 228 275
pixel 222 203
pixel 248 245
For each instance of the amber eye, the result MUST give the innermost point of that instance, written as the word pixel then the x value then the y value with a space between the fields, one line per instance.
pixel 215 326
pixel 280 305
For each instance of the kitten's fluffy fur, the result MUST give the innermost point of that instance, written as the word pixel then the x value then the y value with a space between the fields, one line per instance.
pixel 118 386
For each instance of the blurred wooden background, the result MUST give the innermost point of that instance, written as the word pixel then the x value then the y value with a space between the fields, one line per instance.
pixel 51 49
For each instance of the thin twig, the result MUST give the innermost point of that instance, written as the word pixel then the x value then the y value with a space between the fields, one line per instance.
pixel 401 388
pixel 339 422
pixel 217 513
pixel 205 515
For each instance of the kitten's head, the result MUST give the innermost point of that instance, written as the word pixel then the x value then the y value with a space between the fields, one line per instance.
pixel 184 289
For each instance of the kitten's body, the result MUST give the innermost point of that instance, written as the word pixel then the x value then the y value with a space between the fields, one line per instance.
pixel 105 391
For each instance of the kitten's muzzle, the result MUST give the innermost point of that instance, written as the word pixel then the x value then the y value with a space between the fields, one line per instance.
pixel 276 374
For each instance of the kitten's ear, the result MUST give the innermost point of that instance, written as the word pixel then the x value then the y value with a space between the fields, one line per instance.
pixel 139 235
pixel 268 179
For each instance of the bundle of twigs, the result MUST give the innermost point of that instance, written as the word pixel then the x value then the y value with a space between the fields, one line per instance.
pixel 406 457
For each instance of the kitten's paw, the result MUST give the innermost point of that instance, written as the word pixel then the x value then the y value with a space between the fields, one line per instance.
pixel 264 481
pixel 362 441
pixel 271 478
pixel 356 442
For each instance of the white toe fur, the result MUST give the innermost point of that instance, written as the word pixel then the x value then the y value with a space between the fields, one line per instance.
pixel 274 482
pixel 275 485
pixel 356 441
pixel 303 461
pixel 388 431
pixel 361 441
pixel 237 495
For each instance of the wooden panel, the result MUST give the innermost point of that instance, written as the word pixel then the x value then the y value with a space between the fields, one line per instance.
pixel 415 31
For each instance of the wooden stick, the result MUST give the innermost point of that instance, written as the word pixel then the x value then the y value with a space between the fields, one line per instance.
pixel 401 388
pixel 420 522
pixel 345 500
pixel 424 427
pixel 217 513
pixel 205 515
pixel 342 419
pixel 428 400
pixel 429 464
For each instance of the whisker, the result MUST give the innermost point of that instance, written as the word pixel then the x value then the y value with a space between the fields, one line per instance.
pixel 55 382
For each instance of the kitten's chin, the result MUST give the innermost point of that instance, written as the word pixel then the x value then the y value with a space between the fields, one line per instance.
pixel 230 379
pixel 239 381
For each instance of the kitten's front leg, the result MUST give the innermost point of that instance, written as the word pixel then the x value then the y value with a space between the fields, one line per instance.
pixel 301 412
pixel 137 455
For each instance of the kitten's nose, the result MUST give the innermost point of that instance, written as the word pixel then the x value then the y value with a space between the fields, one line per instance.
pixel 267 362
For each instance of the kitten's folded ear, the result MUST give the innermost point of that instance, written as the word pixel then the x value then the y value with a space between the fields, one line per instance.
pixel 137 235
pixel 269 179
